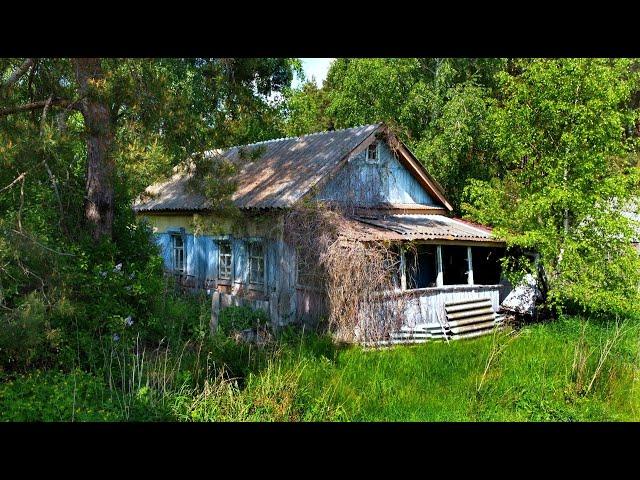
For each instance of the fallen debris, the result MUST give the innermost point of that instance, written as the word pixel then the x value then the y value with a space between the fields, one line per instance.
pixel 523 298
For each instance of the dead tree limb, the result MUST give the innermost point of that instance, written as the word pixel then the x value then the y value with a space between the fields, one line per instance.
pixel 19 72
pixel 44 114
pixel 54 182
pixel 31 239
pixel 58 102
pixel 16 180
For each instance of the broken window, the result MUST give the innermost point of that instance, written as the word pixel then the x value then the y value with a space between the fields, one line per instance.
pixel 486 265
pixel 225 258
pixel 420 266
pixel 256 262
pixel 177 253
pixel 454 265
pixel 372 153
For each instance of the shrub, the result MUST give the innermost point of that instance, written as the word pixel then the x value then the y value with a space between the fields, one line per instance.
pixel 26 335
pixel 241 318
pixel 57 396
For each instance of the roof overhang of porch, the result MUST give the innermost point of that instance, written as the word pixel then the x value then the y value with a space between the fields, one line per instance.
pixel 425 228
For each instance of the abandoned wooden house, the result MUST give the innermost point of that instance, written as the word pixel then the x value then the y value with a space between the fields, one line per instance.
pixel 450 278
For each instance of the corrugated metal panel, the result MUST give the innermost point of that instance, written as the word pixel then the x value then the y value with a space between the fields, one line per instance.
pixel 413 227
pixel 284 171
pixel 424 306
pixel 425 314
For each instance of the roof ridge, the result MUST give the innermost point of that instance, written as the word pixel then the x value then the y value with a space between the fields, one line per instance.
pixel 281 139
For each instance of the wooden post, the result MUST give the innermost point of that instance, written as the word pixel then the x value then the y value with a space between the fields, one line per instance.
pixel 403 271
pixel 215 311
pixel 440 275
pixel 470 265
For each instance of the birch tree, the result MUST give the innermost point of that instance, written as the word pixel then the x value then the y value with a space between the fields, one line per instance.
pixel 563 130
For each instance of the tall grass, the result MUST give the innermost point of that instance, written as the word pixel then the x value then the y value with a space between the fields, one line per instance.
pixel 568 370
pixel 527 376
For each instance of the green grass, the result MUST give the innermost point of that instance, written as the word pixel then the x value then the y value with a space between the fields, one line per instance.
pixel 534 374
pixel 532 379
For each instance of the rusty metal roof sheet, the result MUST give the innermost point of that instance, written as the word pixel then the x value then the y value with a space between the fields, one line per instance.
pixel 285 170
pixel 415 227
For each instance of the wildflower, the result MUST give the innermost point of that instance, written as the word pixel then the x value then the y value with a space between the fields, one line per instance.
pixel 128 321
pixel 118 268
pixel 116 337
pixel 103 274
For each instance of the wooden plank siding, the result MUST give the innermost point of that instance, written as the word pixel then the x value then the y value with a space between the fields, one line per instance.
pixel 369 184
pixel 408 211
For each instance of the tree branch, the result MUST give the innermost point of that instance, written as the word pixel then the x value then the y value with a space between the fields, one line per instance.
pixel 17 179
pixel 57 102
pixel 22 234
pixel 19 72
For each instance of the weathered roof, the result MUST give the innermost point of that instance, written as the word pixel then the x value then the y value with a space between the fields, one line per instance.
pixel 415 227
pixel 285 170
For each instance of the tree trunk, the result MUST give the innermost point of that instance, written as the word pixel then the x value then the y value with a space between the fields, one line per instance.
pixel 99 199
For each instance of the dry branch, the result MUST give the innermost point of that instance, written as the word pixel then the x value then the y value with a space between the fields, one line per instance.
pixel 353 276
pixel 57 102
pixel 16 180
pixel 18 73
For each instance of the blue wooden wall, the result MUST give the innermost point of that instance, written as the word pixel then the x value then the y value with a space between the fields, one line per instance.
pixel 201 252
pixel 367 184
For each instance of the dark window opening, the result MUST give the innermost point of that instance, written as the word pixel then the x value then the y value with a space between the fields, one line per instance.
pixel 421 267
pixel 372 152
pixel 454 265
pixel 486 265
pixel 256 262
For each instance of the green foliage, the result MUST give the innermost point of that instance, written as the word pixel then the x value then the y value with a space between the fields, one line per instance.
pixel 58 397
pixel 241 318
pixel 27 337
pixel 561 130
pixel 439 107
pixel 306 110
pixel 309 378
pixel 61 296
pixel 545 150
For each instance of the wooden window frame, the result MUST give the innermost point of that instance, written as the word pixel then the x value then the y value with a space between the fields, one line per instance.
pixel 175 249
pixel 377 150
pixel 251 243
pixel 225 279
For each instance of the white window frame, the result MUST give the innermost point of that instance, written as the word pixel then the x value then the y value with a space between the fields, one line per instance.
pixel 377 150
pixel 225 241
pixel 174 252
